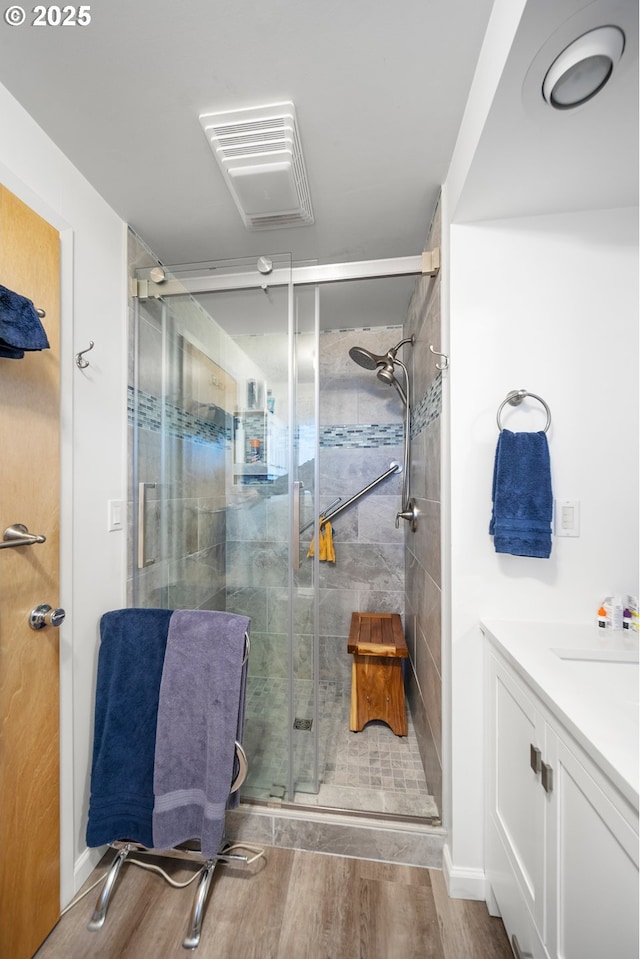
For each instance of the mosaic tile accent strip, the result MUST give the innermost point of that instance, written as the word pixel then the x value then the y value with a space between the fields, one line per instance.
pixel 371 436
pixel 363 329
pixel 214 428
pixel 429 408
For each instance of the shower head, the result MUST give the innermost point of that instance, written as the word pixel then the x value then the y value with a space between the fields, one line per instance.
pixel 385 363
pixel 365 358
pixel 386 374
pixel 369 360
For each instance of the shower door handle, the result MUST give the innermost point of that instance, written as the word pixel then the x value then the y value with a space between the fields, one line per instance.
pixel 142 510
pixel 295 523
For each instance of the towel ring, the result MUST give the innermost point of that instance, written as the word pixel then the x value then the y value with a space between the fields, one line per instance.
pixel 515 398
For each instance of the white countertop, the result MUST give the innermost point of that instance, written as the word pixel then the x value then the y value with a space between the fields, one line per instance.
pixel 597 701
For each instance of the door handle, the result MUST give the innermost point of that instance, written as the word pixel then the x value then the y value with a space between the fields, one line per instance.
pixel 19 535
pixel 142 509
pixel 44 615
pixel 295 520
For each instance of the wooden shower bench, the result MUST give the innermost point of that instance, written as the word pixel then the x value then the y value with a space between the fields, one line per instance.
pixel 377 643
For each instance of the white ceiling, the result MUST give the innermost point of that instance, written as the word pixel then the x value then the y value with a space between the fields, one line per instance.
pixel 379 89
pixel 533 160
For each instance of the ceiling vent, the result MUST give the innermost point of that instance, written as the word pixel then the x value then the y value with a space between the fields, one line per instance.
pixel 258 150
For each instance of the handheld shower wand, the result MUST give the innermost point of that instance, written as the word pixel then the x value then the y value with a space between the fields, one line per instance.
pixel 385 364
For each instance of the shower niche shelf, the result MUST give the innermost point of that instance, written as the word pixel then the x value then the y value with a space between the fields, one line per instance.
pixel 259 446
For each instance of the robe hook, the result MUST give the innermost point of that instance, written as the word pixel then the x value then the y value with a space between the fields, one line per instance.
pixel 81 363
pixel 445 359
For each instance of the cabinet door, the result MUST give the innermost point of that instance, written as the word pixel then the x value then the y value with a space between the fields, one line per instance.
pixel 593 860
pixel 516 801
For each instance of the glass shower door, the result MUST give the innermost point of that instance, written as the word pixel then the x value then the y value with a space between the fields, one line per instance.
pixel 304 661
pixel 223 407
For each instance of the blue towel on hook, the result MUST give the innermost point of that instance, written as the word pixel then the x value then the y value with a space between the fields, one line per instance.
pixel 522 495
pixel 20 326
pixel 130 663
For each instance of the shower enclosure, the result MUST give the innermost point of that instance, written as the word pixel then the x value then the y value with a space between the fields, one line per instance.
pixel 223 442
pixel 227 451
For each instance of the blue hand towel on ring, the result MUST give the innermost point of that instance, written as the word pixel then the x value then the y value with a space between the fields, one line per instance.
pixel 522 495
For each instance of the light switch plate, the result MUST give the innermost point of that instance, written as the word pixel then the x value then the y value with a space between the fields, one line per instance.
pixel 114 515
pixel 566 516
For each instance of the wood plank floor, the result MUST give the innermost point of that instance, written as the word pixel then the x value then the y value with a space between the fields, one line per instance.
pixel 288 905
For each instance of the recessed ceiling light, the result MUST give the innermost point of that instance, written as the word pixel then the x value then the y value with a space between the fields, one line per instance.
pixel 583 68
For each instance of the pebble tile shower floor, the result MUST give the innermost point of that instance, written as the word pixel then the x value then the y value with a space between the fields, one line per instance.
pixel 372 771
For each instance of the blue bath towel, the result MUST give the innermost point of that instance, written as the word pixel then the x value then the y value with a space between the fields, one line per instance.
pixel 130 661
pixel 522 495
pixel 20 326
pixel 200 715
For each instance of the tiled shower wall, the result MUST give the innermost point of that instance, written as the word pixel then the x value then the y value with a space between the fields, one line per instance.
pixel 422 548
pixel 361 433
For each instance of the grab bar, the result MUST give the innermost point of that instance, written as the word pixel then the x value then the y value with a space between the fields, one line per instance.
pixel 19 535
pixel 393 468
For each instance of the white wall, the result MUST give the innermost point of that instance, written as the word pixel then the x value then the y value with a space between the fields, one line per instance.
pixel 548 304
pixel 93 426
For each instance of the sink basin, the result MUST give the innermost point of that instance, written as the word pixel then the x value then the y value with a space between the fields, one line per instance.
pixel 607 655
pixel 609 673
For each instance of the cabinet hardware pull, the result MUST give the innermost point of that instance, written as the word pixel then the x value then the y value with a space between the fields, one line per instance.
pixel 519 954
pixel 547 778
pixel 535 758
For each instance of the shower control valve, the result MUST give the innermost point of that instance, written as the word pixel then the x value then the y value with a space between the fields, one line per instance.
pixel 410 514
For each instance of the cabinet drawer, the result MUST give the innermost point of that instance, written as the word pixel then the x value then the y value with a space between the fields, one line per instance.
pixel 517 919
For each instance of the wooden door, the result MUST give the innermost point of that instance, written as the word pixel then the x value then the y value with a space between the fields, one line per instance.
pixel 29 576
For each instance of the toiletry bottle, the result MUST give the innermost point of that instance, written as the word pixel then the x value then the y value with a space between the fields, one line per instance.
pixel 614 607
pixel 602 618
pixel 626 618
pixel 239 453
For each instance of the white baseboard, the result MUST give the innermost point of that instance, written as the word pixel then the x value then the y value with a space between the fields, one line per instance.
pixel 463 883
pixel 85 864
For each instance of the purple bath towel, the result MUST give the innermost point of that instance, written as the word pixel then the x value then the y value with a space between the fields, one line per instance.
pixel 200 716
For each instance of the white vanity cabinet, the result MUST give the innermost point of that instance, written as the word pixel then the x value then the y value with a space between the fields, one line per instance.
pixel 561 841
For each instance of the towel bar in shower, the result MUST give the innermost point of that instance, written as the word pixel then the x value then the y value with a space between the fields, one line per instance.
pixel 515 398
pixel 331 513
